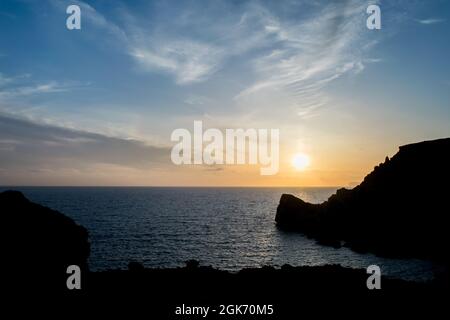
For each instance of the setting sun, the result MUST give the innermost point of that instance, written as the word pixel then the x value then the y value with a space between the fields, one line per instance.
pixel 300 161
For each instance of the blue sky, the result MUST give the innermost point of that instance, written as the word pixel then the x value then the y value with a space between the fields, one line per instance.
pixel 137 70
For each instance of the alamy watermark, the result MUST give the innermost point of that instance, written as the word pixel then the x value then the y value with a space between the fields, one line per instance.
pixel 235 147
pixel 73 22
pixel 374 280
pixel 74 279
pixel 373 21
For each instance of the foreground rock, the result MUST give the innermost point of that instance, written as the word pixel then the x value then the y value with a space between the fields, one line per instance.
pixel 291 290
pixel 39 243
pixel 400 209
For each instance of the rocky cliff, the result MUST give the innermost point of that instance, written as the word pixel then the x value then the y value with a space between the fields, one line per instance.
pixel 39 243
pixel 400 209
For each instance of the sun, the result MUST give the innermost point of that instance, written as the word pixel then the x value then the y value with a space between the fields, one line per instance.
pixel 301 161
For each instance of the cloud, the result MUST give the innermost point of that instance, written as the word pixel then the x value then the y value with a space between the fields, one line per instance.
pixel 187 60
pixel 430 21
pixel 4 80
pixel 26 145
pixel 50 87
pixel 292 50
pixel 11 88
pixel 23 85
pixel 310 54
pixel 197 100
pixel 197 41
pixel 93 17
pixel 193 46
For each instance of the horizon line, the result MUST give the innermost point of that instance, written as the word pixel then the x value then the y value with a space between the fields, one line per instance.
pixel 156 186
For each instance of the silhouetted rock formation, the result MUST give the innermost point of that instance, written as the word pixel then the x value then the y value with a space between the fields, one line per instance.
pixel 400 209
pixel 291 291
pixel 39 243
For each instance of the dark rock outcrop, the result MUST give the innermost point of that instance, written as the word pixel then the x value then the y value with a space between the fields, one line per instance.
pixel 39 243
pixel 290 290
pixel 400 209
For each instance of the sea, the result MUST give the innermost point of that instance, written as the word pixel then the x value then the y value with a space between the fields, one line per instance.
pixel 227 228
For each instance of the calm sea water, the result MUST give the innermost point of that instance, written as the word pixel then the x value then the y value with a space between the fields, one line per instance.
pixel 228 228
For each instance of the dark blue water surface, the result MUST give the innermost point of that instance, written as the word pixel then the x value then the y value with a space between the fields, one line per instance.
pixel 228 228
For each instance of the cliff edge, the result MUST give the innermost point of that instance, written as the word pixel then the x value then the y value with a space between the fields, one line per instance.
pixel 39 243
pixel 400 209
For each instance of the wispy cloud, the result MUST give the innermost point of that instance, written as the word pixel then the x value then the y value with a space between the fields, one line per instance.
pixel 311 54
pixel 13 88
pixel 430 21
pixel 50 87
pixel 187 60
pixel 93 17
pixel 297 57
pixel 192 45
pixel 26 144
pixel 197 100
pixel 212 40
pixel 24 85
pixel 4 80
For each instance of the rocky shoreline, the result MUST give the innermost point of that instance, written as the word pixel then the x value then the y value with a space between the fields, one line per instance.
pixel 54 241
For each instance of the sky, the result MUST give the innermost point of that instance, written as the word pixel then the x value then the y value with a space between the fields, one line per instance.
pixel 97 106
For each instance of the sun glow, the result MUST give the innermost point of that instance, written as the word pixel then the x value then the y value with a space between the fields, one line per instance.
pixel 301 161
